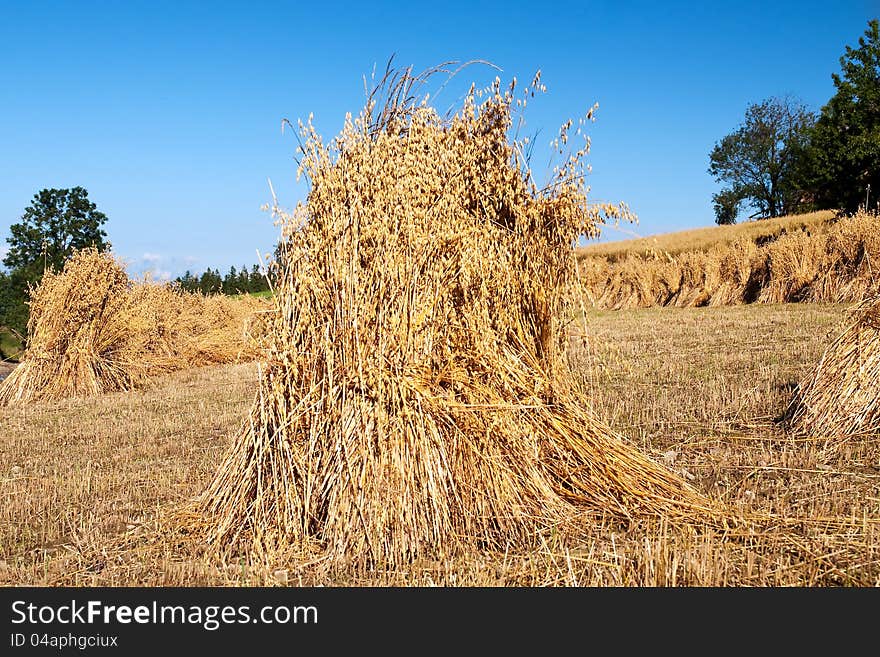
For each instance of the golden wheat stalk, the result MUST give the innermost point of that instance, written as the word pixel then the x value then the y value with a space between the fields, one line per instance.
pixel 416 400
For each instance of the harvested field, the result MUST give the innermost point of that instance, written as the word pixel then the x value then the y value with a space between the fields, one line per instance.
pixel 704 239
pixel 91 487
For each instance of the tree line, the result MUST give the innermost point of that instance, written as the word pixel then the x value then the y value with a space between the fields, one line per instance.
pixel 785 159
pixel 236 281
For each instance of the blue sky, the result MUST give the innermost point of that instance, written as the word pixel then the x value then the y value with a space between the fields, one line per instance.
pixel 169 113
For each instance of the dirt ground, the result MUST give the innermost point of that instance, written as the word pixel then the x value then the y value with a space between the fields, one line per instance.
pixel 5 368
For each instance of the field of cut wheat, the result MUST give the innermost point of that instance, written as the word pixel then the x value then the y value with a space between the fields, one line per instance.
pixel 701 239
pixel 436 392
pixel 96 490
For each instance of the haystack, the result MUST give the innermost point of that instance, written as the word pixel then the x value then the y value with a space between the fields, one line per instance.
pixel 416 401
pixel 841 397
pixel 92 330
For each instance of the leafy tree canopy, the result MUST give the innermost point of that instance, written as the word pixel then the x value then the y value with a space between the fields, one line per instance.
pixel 57 222
pixel 758 162
pixel 844 154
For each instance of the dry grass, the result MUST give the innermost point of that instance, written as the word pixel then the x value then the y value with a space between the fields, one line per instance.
pixel 90 487
pixel 92 330
pixel 704 239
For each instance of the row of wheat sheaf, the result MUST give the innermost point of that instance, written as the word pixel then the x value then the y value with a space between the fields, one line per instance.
pixel 92 330
pixel 836 261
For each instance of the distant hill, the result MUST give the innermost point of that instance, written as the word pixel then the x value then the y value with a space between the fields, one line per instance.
pixel 702 239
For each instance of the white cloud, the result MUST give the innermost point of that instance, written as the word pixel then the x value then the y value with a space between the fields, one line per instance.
pixel 150 265
pixel 160 267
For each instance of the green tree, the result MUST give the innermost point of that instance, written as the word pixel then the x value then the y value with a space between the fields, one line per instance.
pixel 14 291
pixel 244 281
pixel 188 282
pixel 211 282
pixel 13 308
pixel 57 222
pixel 727 204
pixel 230 282
pixel 236 281
pixel 758 162
pixel 844 153
pixel 258 281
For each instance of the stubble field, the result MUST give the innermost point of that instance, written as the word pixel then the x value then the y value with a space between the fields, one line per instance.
pixel 97 491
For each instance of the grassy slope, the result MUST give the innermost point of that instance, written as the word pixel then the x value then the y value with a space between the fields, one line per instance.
pixel 265 294
pixel 88 484
pixel 700 239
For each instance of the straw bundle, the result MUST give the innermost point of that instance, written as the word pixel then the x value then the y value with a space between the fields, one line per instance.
pixel 78 343
pixel 841 397
pixel 91 330
pixel 416 400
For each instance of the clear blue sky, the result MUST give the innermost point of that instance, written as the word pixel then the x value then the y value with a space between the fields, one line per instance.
pixel 169 113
